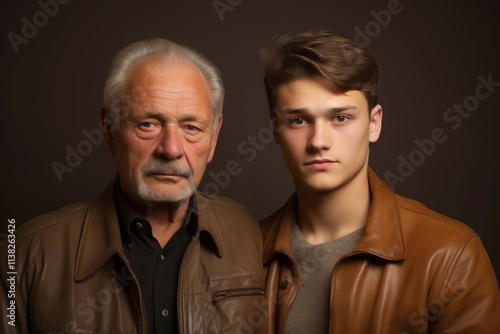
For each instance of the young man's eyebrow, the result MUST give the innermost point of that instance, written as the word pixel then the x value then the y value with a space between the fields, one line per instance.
pixel 298 111
pixel 342 108
pixel 295 111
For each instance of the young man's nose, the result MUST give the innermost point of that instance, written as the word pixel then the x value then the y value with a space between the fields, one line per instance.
pixel 320 137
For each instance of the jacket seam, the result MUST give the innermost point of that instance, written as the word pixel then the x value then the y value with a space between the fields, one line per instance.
pixel 434 217
pixel 452 266
pixel 38 224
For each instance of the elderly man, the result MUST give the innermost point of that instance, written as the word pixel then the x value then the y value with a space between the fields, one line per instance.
pixel 149 255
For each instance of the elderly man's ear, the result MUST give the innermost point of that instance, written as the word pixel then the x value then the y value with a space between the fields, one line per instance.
pixel 107 129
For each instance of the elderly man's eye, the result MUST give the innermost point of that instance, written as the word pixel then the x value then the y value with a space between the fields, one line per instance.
pixel 147 126
pixel 192 128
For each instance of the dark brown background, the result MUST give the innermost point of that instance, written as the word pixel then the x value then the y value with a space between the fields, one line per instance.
pixel 431 54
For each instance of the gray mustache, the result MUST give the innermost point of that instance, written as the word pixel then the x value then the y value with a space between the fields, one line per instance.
pixel 161 167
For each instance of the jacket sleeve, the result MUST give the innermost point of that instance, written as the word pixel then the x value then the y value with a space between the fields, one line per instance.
pixel 470 299
pixel 12 306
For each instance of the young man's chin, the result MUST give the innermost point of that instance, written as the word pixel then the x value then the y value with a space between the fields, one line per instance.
pixel 319 186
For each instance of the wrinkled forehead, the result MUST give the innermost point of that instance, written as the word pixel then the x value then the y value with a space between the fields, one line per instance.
pixel 155 81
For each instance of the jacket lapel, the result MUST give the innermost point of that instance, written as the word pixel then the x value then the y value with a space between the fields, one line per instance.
pixel 279 236
pixel 100 238
pixel 383 236
pixel 207 222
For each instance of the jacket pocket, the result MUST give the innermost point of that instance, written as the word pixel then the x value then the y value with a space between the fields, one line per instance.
pixel 223 295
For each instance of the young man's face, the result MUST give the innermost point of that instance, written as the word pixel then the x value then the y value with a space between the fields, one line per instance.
pixel 324 136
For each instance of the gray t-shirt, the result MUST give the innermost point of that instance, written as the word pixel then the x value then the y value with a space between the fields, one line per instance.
pixel 310 311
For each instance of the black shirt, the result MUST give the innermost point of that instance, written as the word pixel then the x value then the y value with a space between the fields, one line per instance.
pixel 156 269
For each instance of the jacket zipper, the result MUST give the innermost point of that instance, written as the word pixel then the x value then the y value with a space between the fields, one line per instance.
pixel 141 299
pixel 232 293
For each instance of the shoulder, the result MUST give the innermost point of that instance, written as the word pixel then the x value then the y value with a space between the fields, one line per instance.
pixel 413 212
pixel 228 214
pixel 48 237
pixel 220 205
pixel 412 215
pixel 229 223
pixel 52 224
pixel 428 233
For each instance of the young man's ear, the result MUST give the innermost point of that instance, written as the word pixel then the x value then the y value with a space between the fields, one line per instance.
pixel 375 123
pixel 107 127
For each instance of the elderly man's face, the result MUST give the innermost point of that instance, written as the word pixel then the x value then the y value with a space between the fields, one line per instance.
pixel 164 143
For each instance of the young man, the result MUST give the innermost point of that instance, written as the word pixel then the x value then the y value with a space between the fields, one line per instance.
pixel 151 254
pixel 345 254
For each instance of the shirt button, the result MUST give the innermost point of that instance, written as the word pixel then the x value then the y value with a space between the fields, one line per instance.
pixel 284 285
pixel 164 313
pixel 162 257
pixel 139 225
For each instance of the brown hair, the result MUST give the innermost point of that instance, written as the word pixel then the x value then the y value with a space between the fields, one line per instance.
pixel 339 61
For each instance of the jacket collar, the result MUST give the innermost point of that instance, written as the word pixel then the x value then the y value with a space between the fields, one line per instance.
pixel 207 222
pixel 100 238
pixel 279 236
pixel 383 236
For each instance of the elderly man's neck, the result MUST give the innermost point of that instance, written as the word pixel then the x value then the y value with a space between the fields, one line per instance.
pixel 165 218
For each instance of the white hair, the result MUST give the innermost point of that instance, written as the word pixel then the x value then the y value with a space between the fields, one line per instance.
pixel 116 81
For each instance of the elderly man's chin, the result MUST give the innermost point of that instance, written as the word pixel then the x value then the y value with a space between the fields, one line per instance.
pixel 164 192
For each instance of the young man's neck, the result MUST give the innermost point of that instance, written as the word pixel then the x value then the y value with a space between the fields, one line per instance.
pixel 327 216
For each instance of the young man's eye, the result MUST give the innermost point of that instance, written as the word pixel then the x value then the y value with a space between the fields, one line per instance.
pixel 341 119
pixel 297 121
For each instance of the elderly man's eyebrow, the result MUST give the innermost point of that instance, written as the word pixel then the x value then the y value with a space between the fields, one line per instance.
pixel 192 118
pixel 151 114
pixel 161 117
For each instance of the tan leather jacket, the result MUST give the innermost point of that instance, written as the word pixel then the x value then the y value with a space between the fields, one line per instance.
pixel 72 275
pixel 413 271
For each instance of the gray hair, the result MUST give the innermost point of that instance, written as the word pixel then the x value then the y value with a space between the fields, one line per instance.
pixel 116 81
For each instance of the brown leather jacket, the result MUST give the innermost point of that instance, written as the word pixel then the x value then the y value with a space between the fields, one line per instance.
pixel 72 275
pixel 413 271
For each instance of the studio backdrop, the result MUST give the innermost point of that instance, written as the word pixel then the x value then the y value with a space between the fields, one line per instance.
pixel 440 92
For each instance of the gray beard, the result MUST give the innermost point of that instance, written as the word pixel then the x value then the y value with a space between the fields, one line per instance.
pixel 145 193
